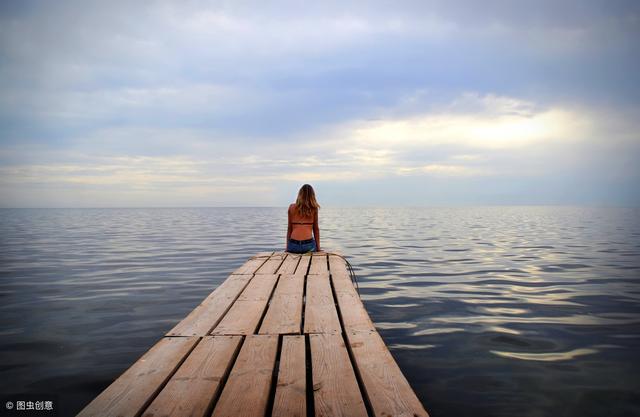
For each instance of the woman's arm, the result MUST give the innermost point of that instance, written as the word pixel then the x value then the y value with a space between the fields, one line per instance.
pixel 286 245
pixel 316 230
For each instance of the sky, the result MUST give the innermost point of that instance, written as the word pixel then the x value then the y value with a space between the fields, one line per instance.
pixel 403 103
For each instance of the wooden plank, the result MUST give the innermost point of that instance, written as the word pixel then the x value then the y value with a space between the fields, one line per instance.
pixel 263 254
pixel 303 266
pixel 354 316
pixel 246 392
pixel 335 389
pixel 289 264
pixel 320 315
pixel 135 388
pixel 244 315
pixel 242 319
pixel 385 386
pixel 181 376
pixel 271 265
pixel 319 290
pixel 344 287
pixel 197 383
pixel 211 310
pixel 251 266
pixel 259 288
pixel 290 284
pixel 318 264
pixel 290 398
pixel 338 270
pixel 340 276
pixel 284 315
pixel 337 263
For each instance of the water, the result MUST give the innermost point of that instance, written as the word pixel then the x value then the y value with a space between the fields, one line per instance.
pixel 489 311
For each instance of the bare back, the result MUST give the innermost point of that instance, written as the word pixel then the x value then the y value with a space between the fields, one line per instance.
pixel 301 227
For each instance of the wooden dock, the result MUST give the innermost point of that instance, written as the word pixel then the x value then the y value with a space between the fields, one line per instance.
pixel 283 335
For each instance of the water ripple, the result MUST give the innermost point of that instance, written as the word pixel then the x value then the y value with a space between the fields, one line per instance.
pixel 547 357
pixel 525 310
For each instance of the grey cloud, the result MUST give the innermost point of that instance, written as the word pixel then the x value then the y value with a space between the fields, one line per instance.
pixel 198 78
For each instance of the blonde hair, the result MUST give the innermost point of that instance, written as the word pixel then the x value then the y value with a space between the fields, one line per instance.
pixel 306 202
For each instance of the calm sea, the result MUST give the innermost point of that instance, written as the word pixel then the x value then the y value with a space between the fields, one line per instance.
pixel 489 311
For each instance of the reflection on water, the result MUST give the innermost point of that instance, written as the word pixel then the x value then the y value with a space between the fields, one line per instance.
pixel 549 357
pixel 489 311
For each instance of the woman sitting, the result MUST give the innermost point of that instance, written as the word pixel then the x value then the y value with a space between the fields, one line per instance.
pixel 303 234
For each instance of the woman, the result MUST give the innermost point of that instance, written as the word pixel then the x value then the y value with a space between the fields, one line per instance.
pixel 303 220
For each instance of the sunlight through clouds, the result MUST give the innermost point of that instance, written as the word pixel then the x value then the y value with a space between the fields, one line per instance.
pixel 492 127
pixel 473 130
pixel 440 102
pixel 442 170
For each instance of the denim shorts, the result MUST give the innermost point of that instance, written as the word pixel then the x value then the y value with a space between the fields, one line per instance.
pixel 301 246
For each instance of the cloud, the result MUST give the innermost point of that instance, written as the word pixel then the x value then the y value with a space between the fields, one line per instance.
pixel 497 123
pixel 442 170
pixel 115 98
pixel 474 136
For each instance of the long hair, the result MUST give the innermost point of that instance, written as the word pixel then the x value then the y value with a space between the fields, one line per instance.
pixel 306 202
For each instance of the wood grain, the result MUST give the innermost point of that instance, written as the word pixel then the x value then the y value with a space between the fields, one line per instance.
pixel 259 288
pixel 251 266
pixel 335 389
pixel 183 376
pixel 211 310
pixel 318 265
pixel 242 319
pixel 197 383
pixel 303 266
pixel 354 315
pixel 385 386
pixel 289 264
pixel 290 398
pixel 246 392
pixel 271 265
pixel 244 315
pixel 320 314
pixel 340 274
pixel 135 388
pixel 284 314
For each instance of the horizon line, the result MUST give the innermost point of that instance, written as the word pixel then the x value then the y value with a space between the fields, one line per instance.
pixel 595 205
